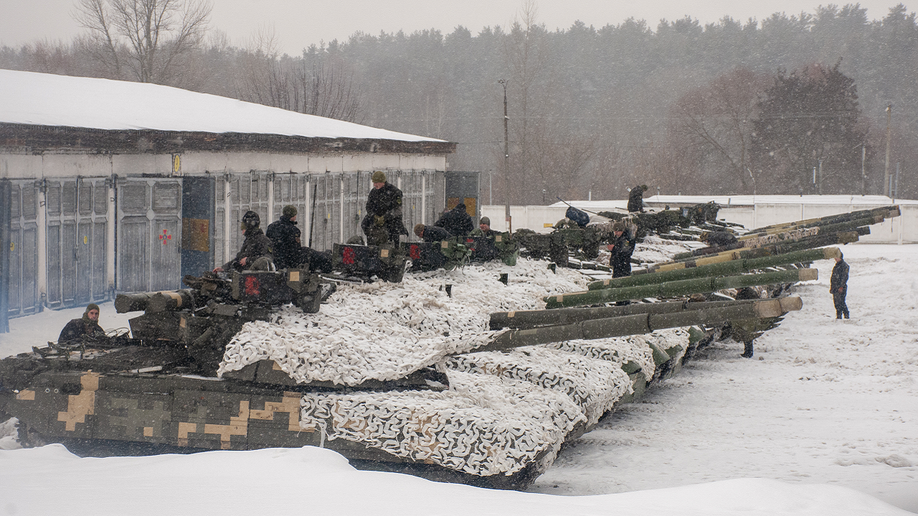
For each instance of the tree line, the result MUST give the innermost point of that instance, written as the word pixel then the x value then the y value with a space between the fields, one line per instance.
pixel 798 104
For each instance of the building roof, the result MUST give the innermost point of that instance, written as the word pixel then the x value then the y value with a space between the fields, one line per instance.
pixel 39 99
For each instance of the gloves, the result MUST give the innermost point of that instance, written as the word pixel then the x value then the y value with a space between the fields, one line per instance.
pixel 379 220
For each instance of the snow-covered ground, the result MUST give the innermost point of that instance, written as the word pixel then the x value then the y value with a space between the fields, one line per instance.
pixel 823 421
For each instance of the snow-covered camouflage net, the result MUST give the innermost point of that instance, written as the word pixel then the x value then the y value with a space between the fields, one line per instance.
pixel 385 331
pixel 502 411
pixel 483 425
pixel 593 384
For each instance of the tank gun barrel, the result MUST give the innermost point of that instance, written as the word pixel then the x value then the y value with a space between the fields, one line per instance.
pixel 154 301
pixel 535 318
pixel 725 268
pixel 678 288
pixel 844 237
pixel 885 211
pixel 639 324
pixel 791 235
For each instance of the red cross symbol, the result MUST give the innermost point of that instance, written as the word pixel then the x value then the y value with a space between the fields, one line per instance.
pixel 165 237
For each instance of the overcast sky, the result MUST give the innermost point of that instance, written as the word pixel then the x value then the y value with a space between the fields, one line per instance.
pixel 300 23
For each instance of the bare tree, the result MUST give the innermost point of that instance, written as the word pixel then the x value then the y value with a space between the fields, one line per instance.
pixel 713 125
pixel 147 38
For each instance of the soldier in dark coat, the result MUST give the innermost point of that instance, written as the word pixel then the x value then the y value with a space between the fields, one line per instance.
pixel 256 252
pixel 457 221
pixel 84 330
pixel 383 221
pixel 636 199
pixel 288 249
pixel 838 286
pixel 431 233
pixel 621 249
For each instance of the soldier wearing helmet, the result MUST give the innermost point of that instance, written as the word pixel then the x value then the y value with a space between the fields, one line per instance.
pixel 256 252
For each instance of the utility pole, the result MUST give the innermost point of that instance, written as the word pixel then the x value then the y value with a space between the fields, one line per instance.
pixel 503 82
pixel 863 169
pixel 886 175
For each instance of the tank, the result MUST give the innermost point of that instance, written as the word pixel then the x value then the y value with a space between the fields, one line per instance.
pixel 489 407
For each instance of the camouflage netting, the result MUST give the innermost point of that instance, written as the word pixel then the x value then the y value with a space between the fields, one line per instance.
pixel 484 425
pixel 384 331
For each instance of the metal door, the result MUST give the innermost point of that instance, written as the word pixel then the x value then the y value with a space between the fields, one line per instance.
pixel 149 234
pixel 24 298
pixel 76 223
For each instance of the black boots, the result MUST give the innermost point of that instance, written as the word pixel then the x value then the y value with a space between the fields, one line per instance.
pixel 747 349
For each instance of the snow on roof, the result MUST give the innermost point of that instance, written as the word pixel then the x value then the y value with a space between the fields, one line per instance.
pixel 743 200
pixel 59 100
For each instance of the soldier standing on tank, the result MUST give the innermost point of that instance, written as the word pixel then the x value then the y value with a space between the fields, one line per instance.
pixel 620 249
pixel 636 199
pixel 83 329
pixel 457 221
pixel 256 253
pixel 288 249
pixel 838 286
pixel 383 221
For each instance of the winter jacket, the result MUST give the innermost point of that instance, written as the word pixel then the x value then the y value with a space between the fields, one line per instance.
pixel 255 246
pixel 384 210
pixel 285 238
pixel 435 234
pixel 75 331
pixel 839 281
pixel 457 221
pixel 620 255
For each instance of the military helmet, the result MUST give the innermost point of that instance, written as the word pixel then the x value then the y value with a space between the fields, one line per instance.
pixel 289 211
pixel 250 220
pixel 618 226
pixel 378 177
pixel 485 220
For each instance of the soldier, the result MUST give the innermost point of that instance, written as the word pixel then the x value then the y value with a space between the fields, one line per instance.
pixel 636 199
pixel 457 221
pixel 256 252
pixel 484 229
pixel 483 247
pixel 84 329
pixel 745 330
pixel 621 249
pixel 288 250
pixel 838 286
pixel 431 233
pixel 383 221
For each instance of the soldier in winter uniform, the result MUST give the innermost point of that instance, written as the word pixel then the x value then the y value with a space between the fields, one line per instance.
pixel 84 329
pixel 457 221
pixel 256 252
pixel 431 233
pixel 621 249
pixel 383 221
pixel 288 250
pixel 838 286
pixel 484 229
pixel 636 199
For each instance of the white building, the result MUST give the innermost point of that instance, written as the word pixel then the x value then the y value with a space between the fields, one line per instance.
pixel 122 186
